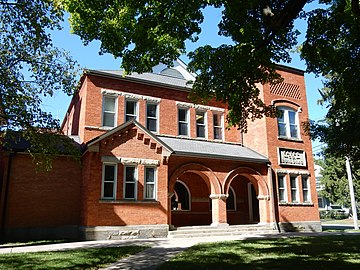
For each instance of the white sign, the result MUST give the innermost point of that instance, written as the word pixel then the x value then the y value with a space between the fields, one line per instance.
pixel 292 157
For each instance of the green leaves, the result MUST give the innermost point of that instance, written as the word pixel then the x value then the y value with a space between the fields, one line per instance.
pixel 31 67
pixel 145 33
pixel 332 50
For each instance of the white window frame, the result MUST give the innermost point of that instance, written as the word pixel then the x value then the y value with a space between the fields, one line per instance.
pixel 204 125
pixel 282 177
pixel 296 189
pixel 189 199
pixel 305 178
pixel 103 110
pixel 187 121
pixel 231 189
pixel 115 165
pixel 286 117
pixel 154 197
pixel 221 125
pixel 125 182
pixel 151 117
pixel 136 109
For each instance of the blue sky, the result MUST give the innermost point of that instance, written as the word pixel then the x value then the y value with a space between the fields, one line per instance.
pixel 88 57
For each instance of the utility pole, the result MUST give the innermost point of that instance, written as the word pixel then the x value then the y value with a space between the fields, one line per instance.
pixel 352 195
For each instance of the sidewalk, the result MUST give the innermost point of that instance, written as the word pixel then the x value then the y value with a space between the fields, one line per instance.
pixel 161 249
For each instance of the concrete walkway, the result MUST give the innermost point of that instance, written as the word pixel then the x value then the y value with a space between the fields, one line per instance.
pixel 162 249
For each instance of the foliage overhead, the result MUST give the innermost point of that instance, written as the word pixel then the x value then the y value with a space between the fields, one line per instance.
pixel 144 33
pixel 332 49
pixel 334 182
pixel 31 69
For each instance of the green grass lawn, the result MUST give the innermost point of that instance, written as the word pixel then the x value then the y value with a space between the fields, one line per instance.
pixel 305 253
pixel 90 258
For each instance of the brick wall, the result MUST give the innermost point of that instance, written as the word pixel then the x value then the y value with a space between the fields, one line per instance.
pixel 43 199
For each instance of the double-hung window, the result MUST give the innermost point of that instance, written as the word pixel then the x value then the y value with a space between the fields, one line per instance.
pixel 288 123
pixel 109 181
pixel 218 126
pixel 282 187
pixel 294 188
pixel 200 124
pixel 130 182
pixel 130 110
pixel 183 121
pixel 109 111
pixel 150 183
pixel 305 188
pixel 152 117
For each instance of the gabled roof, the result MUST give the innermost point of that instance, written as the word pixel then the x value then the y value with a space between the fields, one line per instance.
pixel 132 122
pixel 191 147
pixel 210 149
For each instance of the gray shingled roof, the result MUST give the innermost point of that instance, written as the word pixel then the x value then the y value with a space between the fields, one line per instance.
pixel 207 149
pixel 148 78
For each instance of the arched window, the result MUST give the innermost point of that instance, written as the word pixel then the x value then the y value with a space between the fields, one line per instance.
pixel 288 123
pixel 181 198
pixel 231 200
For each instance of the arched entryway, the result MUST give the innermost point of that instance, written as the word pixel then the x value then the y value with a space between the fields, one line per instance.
pixel 242 205
pixel 190 187
pixel 252 196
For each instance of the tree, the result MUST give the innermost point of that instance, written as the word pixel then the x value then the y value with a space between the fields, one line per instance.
pixel 144 33
pixel 332 50
pixel 32 68
pixel 335 185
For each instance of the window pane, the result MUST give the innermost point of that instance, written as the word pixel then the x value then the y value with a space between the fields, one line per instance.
pixel 281 117
pixel 293 181
pixel 108 190
pixel 129 190
pixel 182 115
pixel 305 182
pixel 109 119
pixel 292 115
pixel 282 129
pixel 151 110
pixel 281 195
pixel 131 107
pixel 151 124
pixel 217 120
pixel 293 131
pixel 150 175
pixel 218 133
pixel 109 173
pixel 183 129
pixel 130 174
pixel 293 195
pixel 200 118
pixel 109 105
pixel 230 201
pixel 150 191
pixel 200 131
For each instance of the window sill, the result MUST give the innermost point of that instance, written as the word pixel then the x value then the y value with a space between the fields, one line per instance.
pixel 296 204
pixel 290 139
pixel 129 201
pixel 99 128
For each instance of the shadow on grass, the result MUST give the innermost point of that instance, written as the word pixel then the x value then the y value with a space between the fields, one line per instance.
pixel 328 252
pixel 90 258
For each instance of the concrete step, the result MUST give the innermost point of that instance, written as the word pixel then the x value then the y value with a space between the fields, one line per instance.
pixel 208 231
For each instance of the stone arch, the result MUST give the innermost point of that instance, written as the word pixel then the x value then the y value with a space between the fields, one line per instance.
pixel 204 172
pixel 253 176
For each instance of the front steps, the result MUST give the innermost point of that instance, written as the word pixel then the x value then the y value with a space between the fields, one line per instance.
pixel 232 230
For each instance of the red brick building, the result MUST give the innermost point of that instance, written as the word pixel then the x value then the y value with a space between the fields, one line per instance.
pixel 153 160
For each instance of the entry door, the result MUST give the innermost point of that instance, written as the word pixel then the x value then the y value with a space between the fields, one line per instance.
pixel 254 215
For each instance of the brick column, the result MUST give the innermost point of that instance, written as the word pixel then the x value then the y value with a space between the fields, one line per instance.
pixel 218 203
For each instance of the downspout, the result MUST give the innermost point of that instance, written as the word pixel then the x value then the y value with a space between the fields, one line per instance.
pixel 5 200
pixel 276 224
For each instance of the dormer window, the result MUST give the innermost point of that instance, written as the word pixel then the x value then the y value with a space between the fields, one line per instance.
pixel 288 123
